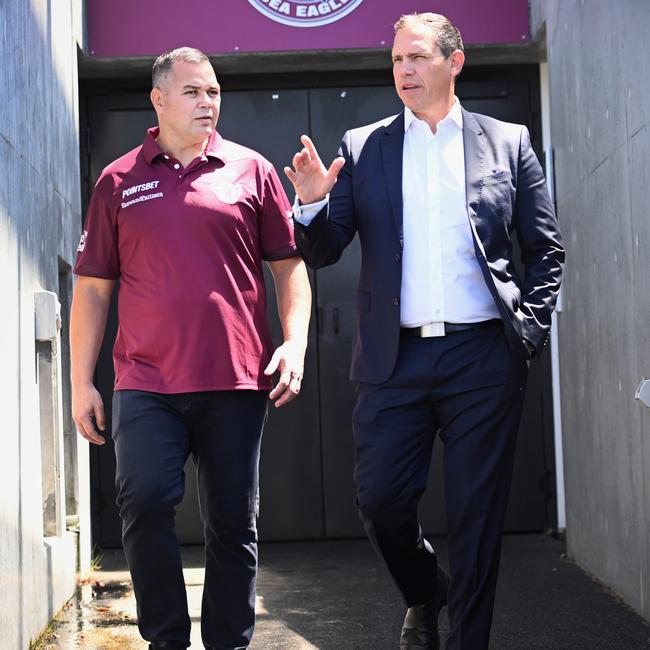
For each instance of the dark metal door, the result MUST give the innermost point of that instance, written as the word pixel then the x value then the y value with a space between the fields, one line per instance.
pixel 307 451
pixel 332 111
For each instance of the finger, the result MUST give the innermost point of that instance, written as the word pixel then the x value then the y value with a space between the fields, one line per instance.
pixel 273 364
pixel 87 430
pixel 282 385
pixel 291 175
pixel 291 391
pixel 289 395
pixel 100 419
pixel 335 168
pixel 306 155
pixel 285 378
pixel 278 390
pixel 309 145
pixel 296 161
pixel 304 161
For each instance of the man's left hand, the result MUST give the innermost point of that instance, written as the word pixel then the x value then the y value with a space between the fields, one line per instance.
pixel 288 359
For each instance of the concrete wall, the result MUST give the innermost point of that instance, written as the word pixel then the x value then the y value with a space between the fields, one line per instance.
pixel 39 227
pixel 599 72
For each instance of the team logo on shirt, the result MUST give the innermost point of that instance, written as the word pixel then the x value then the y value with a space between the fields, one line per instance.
pixel 305 13
pixel 82 242
pixel 226 191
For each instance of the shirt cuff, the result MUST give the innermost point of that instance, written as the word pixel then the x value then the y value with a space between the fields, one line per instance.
pixel 305 214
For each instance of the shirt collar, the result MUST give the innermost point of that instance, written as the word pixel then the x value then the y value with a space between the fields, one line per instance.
pixel 455 116
pixel 151 149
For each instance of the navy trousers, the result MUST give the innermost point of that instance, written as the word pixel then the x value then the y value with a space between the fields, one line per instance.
pixel 469 386
pixel 154 435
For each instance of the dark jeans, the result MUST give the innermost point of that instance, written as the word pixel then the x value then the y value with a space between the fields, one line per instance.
pixel 469 386
pixel 154 435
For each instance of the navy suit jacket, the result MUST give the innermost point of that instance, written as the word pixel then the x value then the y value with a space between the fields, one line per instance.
pixel 506 192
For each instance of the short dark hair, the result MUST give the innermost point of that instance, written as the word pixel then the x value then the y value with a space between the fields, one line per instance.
pixel 163 65
pixel 444 31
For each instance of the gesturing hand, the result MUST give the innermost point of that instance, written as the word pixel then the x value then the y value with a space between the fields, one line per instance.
pixel 288 359
pixel 311 180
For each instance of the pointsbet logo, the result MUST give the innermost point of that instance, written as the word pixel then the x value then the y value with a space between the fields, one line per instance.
pixel 305 13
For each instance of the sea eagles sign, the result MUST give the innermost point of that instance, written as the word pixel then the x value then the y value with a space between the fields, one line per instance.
pixel 123 28
pixel 305 13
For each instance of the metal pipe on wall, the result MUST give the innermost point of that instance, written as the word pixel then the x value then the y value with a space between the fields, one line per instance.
pixel 555 344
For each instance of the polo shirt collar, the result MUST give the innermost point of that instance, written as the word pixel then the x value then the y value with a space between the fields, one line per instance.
pixel 151 149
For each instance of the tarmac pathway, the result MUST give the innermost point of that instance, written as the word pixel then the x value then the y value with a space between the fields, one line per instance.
pixel 337 596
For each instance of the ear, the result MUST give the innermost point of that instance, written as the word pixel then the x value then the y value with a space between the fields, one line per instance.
pixel 156 97
pixel 456 60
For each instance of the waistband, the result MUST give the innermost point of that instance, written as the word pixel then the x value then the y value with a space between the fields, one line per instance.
pixel 424 331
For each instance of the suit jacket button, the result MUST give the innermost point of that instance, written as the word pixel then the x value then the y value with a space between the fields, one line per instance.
pixel 396 301
pixel 398 257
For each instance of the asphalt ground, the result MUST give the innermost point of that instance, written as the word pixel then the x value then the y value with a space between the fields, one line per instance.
pixel 336 595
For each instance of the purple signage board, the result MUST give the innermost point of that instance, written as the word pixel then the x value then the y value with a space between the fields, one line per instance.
pixel 121 28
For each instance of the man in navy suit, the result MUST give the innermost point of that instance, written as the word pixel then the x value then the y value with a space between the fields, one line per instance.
pixel 446 326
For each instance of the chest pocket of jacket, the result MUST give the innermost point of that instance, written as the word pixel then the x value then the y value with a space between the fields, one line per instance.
pixel 499 177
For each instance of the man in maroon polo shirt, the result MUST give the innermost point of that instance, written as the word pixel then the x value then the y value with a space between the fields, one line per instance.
pixel 185 222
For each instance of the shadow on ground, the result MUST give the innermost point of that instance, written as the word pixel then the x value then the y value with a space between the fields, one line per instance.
pixel 337 596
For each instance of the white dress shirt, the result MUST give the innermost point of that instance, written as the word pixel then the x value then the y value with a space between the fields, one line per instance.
pixel 441 278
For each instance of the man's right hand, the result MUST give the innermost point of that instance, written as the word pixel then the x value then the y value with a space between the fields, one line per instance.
pixel 311 180
pixel 86 404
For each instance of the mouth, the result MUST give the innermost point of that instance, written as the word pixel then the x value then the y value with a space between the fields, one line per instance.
pixel 409 87
pixel 206 119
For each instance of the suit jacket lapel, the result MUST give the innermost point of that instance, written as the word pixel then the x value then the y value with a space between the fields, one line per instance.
pixel 475 145
pixel 392 145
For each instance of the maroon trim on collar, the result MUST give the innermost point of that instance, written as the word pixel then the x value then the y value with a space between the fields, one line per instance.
pixel 151 150
pixel 214 147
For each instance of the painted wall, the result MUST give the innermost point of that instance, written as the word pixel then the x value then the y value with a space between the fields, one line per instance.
pixel 599 73
pixel 39 227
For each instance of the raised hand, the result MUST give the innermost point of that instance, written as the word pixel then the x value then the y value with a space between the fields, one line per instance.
pixel 311 180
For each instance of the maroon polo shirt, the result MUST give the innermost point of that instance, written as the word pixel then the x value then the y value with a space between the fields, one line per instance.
pixel 187 245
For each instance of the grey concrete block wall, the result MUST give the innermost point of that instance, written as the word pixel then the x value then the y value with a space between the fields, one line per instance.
pixel 39 227
pixel 599 72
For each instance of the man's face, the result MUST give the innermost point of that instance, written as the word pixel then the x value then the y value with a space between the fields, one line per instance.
pixel 423 76
pixel 188 101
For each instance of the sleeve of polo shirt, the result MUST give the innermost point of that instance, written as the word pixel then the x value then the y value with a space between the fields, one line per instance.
pixel 276 223
pixel 97 254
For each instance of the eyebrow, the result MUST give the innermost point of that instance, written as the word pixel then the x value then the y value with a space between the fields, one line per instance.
pixel 410 54
pixel 194 87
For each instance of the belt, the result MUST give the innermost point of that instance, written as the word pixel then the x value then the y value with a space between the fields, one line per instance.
pixel 424 331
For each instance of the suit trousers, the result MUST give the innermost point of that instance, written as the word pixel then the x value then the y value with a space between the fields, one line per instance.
pixel 154 435
pixel 468 386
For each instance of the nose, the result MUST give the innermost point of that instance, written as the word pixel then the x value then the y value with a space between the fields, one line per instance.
pixel 404 69
pixel 204 99
pixel 407 68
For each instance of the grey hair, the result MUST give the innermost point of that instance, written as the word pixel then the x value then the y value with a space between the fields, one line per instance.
pixel 163 65
pixel 446 34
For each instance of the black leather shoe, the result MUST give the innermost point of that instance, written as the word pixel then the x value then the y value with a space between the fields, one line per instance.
pixel 420 629
pixel 167 645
